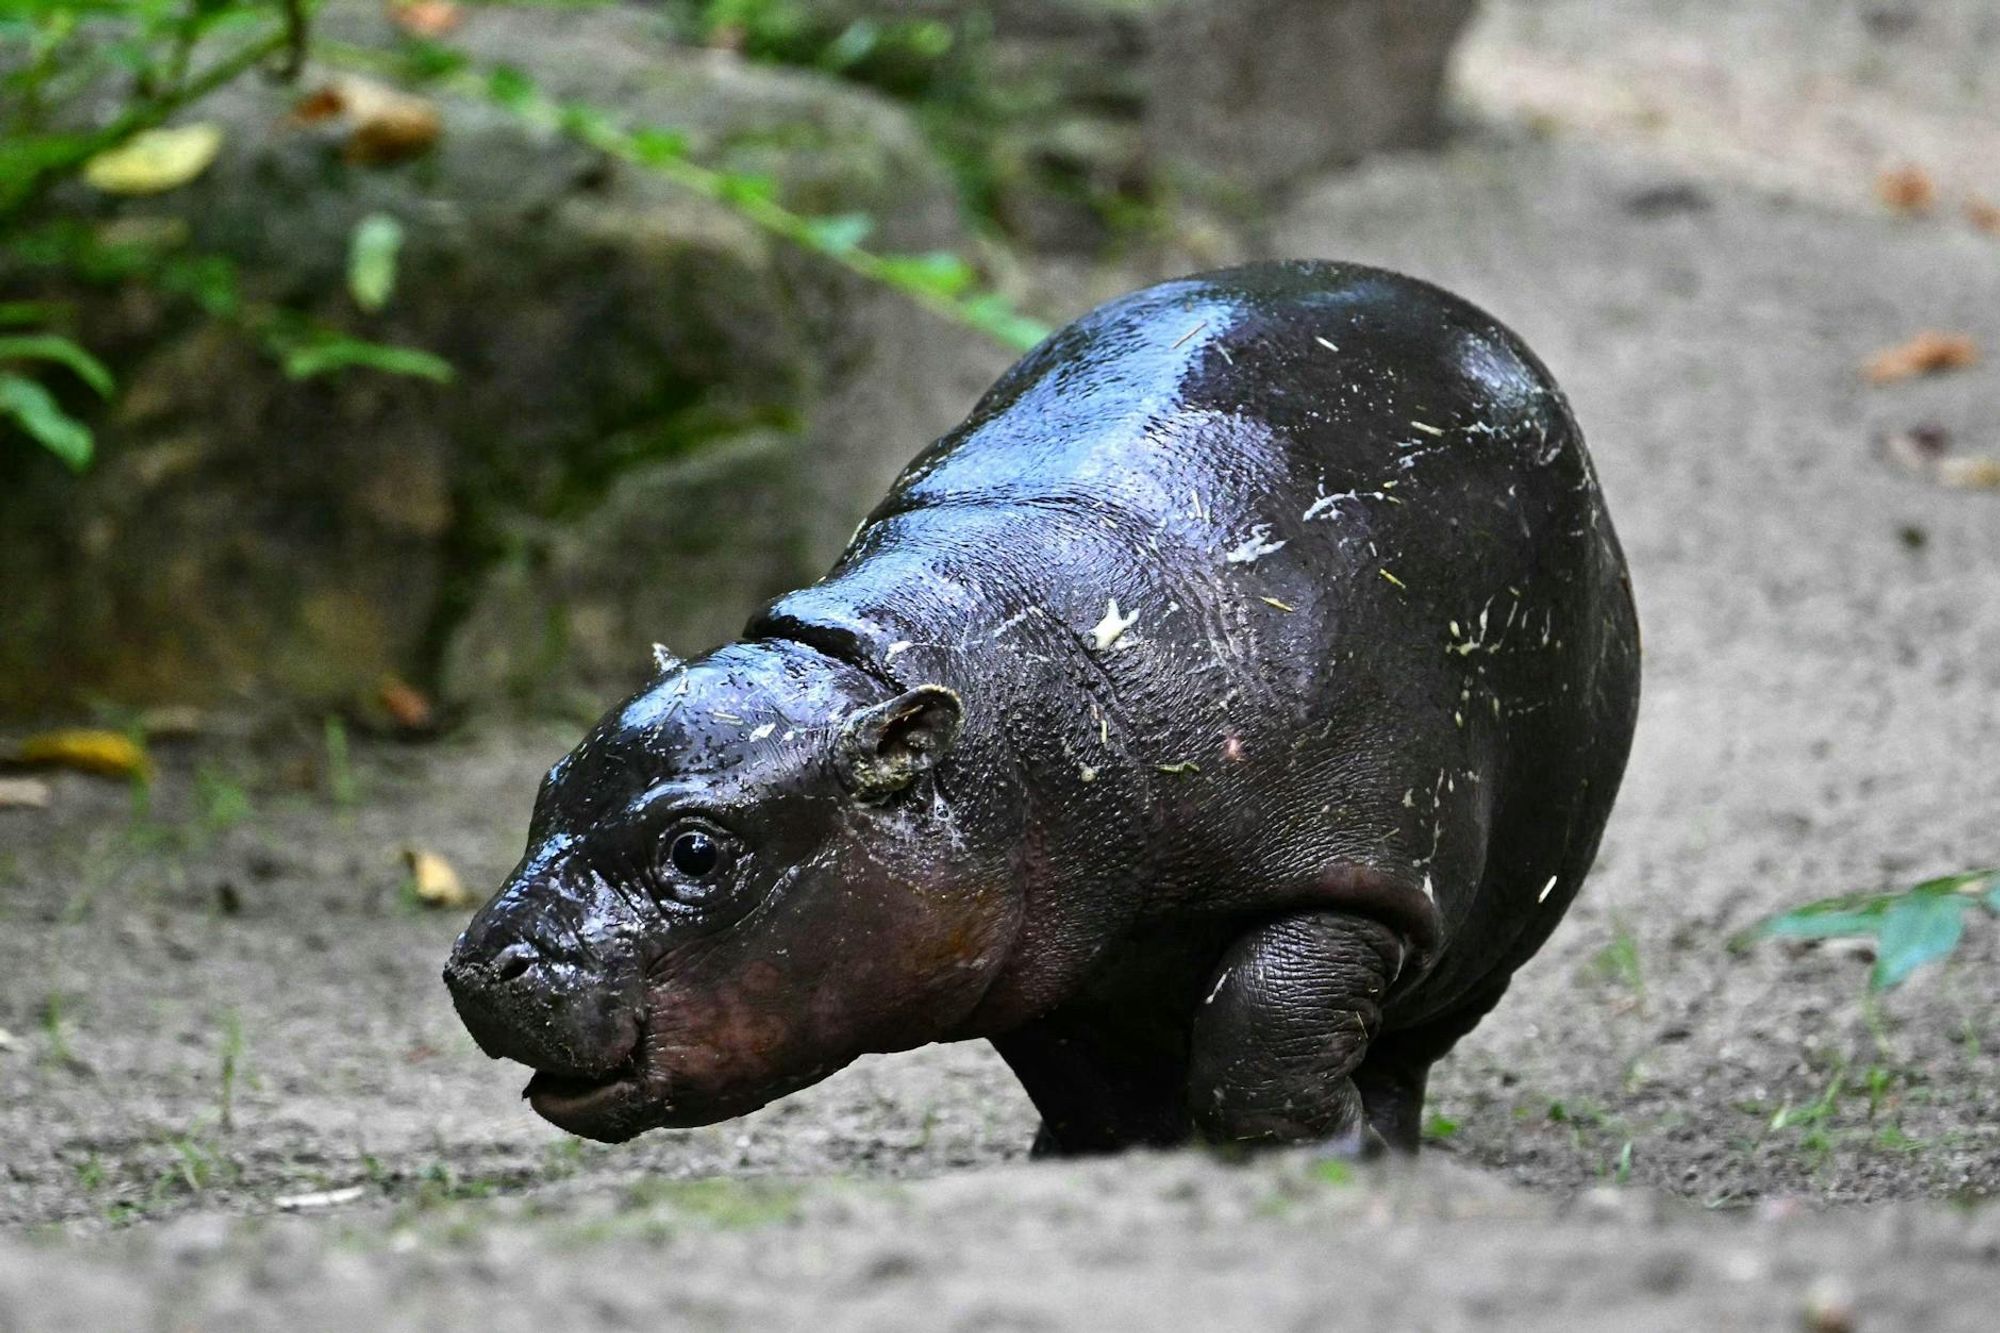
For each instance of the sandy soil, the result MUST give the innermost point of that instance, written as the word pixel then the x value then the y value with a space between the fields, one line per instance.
pixel 224 1003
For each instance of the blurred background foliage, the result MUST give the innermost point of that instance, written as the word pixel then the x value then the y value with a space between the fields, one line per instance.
pixel 357 347
pixel 93 82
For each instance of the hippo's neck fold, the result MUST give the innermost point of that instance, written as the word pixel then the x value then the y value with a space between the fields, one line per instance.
pixel 1043 770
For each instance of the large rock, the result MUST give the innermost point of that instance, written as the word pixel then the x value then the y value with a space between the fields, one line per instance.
pixel 1098 104
pixel 660 417
pixel 1260 93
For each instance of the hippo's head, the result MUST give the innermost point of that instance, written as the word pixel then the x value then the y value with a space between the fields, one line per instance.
pixel 747 875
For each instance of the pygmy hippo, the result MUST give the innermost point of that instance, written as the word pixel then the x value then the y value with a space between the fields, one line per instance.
pixel 1213 722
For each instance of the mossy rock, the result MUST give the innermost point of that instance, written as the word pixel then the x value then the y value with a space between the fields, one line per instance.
pixel 249 537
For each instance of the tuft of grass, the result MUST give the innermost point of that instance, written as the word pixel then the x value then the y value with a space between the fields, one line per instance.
pixel 1333 1171
pixel 1617 963
pixel 231 1058
pixel 1828 1123
pixel 183 1166
pixel 221 801
pixel 341 785
pixel 53 1030
pixel 1440 1126
pixel 440 1184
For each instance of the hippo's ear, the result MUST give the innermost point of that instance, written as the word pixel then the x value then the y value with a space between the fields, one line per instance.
pixel 882 749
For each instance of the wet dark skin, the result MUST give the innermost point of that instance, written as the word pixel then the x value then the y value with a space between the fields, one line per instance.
pixel 1213 722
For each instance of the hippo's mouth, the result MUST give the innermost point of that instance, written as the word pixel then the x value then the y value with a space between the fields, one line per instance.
pixel 609 1107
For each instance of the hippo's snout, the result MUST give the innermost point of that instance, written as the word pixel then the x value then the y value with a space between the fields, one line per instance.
pixel 549 1002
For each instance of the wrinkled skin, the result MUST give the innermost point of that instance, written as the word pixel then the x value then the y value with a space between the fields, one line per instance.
pixel 1214 721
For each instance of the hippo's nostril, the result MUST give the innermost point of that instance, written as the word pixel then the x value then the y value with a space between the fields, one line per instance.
pixel 514 960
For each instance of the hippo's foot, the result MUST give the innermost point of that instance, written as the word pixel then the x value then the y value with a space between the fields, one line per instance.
pixel 1279 1046
pixel 1392 1099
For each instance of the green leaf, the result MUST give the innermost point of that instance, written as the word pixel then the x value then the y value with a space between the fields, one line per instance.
pixel 653 147
pixel 208 280
pixel 994 316
pixel 590 124
pixel 39 415
pixel 1806 923
pixel 929 38
pixel 422 59
pixel 1968 881
pixel 510 87
pixel 742 187
pixel 940 272
pixel 1917 929
pixel 839 233
pixel 371 260
pixel 853 46
pixel 323 352
pixel 1992 899
pixel 54 347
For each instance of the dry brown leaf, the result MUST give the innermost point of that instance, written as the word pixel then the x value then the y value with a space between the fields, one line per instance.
pixel 23 794
pixel 109 754
pixel 1929 353
pixel 320 104
pixel 1984 214
pixel 425 18
pixel 394 129
pixel 383 124
pixel 409 707
pixel 436 883
pixel 1907 190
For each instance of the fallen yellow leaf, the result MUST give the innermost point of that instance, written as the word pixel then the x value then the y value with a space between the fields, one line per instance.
pixel 436 883
pixel 107 753
pixel 155 160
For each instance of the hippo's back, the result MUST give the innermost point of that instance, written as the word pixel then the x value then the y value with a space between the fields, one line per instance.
pixel 1312 371
pixel 1334 577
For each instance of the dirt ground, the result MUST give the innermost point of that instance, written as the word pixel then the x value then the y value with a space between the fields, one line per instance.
pixel 232 1088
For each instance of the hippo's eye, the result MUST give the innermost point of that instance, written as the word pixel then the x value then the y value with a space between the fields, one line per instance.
pixel 695 855
pixel 696 860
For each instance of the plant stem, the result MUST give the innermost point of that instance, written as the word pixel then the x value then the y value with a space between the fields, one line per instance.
pixel 537 109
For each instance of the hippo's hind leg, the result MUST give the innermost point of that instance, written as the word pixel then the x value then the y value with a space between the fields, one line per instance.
pixel 1278 1043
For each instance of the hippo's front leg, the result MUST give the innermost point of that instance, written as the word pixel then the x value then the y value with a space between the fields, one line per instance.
pixel 1276 1044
